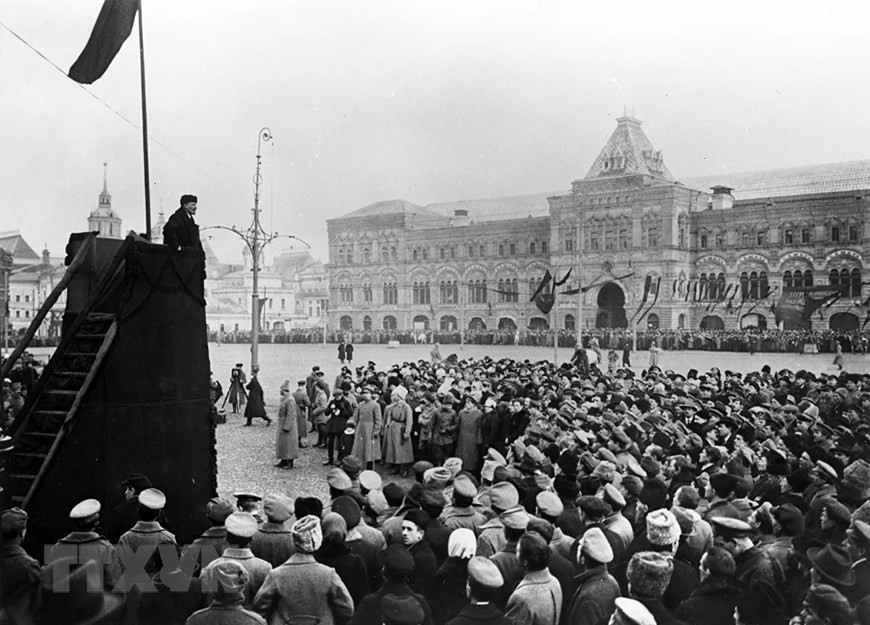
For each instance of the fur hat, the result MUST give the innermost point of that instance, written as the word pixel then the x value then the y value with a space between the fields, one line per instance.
pixel 307 536
pixel 856 478
pixel 649 574
pixel 662 527
pixel 605 471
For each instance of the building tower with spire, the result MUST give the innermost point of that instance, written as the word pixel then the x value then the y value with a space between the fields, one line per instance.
pixel 105 220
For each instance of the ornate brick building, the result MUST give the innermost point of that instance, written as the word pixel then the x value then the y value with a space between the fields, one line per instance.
pixel 706 253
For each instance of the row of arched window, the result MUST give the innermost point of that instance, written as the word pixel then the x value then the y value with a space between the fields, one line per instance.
pixel 844 277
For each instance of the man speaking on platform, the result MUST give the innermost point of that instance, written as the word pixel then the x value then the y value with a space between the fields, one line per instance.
pixel 181 230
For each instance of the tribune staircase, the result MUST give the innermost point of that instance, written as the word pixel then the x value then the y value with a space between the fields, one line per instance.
pixel 49 413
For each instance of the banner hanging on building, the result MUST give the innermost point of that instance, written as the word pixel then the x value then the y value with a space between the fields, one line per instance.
pixel 798 303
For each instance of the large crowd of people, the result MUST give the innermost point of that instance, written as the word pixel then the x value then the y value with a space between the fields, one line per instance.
pixel 535 495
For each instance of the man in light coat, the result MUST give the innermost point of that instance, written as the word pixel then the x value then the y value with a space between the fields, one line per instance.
pixel 287 437
pixel 537 599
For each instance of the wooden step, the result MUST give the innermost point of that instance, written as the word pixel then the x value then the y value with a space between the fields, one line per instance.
pixel 71 374
pixel 22 476
pixel 50 412
pixel 80 354
pixel 59 391
pixel 17 499
pixel 30 454
pixel 41 434
pixel 90 336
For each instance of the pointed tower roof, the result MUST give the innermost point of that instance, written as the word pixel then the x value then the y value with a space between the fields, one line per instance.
pixel 629 152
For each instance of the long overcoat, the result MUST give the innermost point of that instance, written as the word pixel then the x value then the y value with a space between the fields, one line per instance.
pixel 367 439
pixel 287 437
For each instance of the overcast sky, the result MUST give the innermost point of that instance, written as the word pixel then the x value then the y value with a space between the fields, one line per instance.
pixel 425 101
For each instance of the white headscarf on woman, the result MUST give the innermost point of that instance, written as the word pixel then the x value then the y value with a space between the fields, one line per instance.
pixel 462 543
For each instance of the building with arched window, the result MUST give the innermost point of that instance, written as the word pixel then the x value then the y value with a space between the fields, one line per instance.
pixel 649 248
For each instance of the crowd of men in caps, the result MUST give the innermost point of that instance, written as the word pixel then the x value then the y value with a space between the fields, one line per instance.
pixel 541 495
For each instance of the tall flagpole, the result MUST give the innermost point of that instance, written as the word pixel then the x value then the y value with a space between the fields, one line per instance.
pixel 144 129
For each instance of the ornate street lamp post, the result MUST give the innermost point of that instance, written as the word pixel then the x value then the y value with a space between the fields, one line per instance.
pixel 256 239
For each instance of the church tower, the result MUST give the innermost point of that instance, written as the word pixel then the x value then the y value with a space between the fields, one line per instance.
pixel 104 220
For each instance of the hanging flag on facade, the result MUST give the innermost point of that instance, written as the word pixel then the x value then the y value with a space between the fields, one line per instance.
pixel 543 284
pixel 113 26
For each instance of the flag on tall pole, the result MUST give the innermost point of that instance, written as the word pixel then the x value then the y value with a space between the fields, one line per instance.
pixel 114 24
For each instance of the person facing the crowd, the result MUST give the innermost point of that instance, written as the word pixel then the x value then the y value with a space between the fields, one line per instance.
pixel 20 574
pixel 537 599
pixel 180 229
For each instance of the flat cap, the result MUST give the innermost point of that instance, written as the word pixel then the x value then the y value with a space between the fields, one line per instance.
pixel 827 469
pixel 593 506
pixel 504 495
pixel 594 544
pixel 351 465
pixel 515 518
pixel 613 496
pixel 421 466
pixel 278 507
pixel 549 504
pixel 338 479
pixel 483 571
pixel 218 509
pixel 241 524
pixel 727 526
pixel 13 519
pixel 464 486
pixel 84 509
pixel 370 480
pixel 152 499
pixel 495 456
pixel 243 495
pixel 438 476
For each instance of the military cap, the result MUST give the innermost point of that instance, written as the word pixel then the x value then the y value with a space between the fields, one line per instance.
pixel 838 512
pixel 242 495
pixel 494 455
pixel 85 509
pixel 827 469
pixel 484 572
pixel 464 486
pixel 488 470
pixel 370 480
pixel 218 509
pixel 404 610
pixel 549 504
pixel 241 524
pixel 398 559
pixel 633 612
pixel 727 526
pixel 278 507
pixel 613 496
pixel 338 479
pixel 376 502
pixel 862 529
pixel 13 519
pixel 152 499
pixel 594 544
pixel 504 495
pixel 515 518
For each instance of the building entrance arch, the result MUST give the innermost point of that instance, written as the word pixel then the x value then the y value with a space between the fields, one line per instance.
pixel 421 322
pixel 345 323
pixel 844 322
pixel 611 307
pixel 538 323
pixel 477 325
pixel 753 320
pixel 506 324
pixel 712 322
